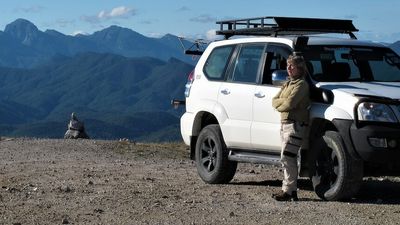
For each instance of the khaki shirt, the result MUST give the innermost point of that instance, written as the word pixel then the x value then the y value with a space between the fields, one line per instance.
pixel 293 100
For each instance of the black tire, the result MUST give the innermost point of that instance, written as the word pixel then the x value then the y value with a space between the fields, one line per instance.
pixel 211 157
pixel 338 176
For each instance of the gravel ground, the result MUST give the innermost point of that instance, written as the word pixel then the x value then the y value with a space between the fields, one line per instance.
pixel 117 182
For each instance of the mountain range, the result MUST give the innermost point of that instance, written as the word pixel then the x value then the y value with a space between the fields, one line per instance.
pixel 25 46
pixel 117 81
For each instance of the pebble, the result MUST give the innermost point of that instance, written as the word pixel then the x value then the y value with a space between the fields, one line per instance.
pixel 99 211
pixel 65 188
pixel 65 221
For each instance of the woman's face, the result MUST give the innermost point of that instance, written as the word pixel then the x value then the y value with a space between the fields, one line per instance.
pixel 292 70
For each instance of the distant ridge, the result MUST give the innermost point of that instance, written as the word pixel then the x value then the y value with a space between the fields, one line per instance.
pixel 23 45
pixel 116 96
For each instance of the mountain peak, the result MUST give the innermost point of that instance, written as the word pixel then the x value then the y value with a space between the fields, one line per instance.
pixel 23 30
pixel 168 35
pixel 115 34
pixel 21 24
pixel 54 33
pixel 114 30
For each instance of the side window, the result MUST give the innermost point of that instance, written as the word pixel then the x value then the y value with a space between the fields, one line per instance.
pixel 247 64
pixel 217 62
pixel 276 56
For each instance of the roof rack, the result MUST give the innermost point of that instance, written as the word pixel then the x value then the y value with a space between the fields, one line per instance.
pixel 197 46
pixel 274 26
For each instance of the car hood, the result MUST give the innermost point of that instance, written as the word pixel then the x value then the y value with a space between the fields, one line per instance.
pixel 381 89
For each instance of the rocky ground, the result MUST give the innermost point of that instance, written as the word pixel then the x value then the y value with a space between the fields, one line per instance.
pixel 119 182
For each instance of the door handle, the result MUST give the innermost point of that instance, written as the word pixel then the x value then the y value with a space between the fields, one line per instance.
pixel 259 95
pixel 225 92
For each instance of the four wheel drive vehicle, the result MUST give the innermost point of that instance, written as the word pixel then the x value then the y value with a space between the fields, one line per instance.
pixel 354 117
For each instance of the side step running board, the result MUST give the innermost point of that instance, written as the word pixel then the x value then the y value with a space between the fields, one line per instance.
pixel 254 157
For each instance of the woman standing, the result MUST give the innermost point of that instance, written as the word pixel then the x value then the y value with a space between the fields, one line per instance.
pixel 293 102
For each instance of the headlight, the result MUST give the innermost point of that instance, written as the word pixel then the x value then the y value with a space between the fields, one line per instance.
pixel 370 111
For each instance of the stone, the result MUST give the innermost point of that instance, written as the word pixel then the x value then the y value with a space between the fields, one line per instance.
pixel 76 129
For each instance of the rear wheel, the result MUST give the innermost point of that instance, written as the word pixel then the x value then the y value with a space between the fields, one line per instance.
pixel 211 157
pixel 338 176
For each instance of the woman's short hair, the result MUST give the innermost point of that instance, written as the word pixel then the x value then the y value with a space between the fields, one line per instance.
pixel 299 62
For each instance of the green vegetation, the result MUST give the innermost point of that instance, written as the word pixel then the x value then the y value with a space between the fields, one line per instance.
pixel 116 97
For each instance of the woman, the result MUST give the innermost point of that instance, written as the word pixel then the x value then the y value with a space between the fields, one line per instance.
pixel 292 101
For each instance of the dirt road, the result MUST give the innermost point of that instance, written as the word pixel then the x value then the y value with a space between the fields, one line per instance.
pixel 113 182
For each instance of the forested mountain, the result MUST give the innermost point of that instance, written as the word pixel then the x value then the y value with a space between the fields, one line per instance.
pixel 120 96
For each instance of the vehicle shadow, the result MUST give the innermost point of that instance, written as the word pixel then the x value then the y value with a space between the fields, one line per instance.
pixel 371 191
pixel 303 184
pixel 379 192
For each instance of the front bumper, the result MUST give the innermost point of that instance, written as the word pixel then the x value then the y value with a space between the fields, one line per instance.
pixel 365 138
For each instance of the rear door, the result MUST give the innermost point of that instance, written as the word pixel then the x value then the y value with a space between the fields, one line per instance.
pixel 237 93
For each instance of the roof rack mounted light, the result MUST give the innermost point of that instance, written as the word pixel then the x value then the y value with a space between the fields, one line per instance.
pixel 274 26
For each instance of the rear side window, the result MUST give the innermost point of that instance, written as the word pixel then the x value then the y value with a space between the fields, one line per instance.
pixel 247 64
pixel 217 62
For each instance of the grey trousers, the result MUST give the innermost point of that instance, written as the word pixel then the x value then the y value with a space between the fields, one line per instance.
pixel 292 135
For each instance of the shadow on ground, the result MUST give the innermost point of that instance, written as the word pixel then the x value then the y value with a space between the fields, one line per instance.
pixel 371 191
pixel 303 184
pixel 379 192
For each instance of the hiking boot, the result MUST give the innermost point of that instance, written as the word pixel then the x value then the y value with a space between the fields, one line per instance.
pixel 285 197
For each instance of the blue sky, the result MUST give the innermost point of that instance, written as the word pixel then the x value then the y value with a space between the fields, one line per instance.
pixel 376 20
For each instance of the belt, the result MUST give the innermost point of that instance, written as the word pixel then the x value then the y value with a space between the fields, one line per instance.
pixel 303 124
pixel 287 121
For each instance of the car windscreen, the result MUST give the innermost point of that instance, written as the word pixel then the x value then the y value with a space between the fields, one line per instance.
pixel 352 63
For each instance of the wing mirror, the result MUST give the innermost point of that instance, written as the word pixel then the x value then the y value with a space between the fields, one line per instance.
pixel 279 77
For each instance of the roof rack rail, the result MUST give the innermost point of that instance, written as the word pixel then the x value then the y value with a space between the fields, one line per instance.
pixel 274 26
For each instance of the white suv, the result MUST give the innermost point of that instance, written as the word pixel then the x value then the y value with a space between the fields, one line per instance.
pixel 355 89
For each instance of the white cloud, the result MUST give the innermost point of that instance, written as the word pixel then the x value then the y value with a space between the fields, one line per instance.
pixel 211 35
pixel 102 14
pixel 118 12
pixel 121 11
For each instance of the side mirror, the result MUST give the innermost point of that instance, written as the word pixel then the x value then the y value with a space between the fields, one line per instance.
pixel 321 95
pixel 327 96
pixel 279 77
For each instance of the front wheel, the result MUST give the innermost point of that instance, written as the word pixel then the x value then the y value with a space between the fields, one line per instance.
pixel 211 157
pixel 338 176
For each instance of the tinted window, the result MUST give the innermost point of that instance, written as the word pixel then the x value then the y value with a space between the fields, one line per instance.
pixel 217 62
pixel 276 56
pixel 247 64
pixel 353 63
